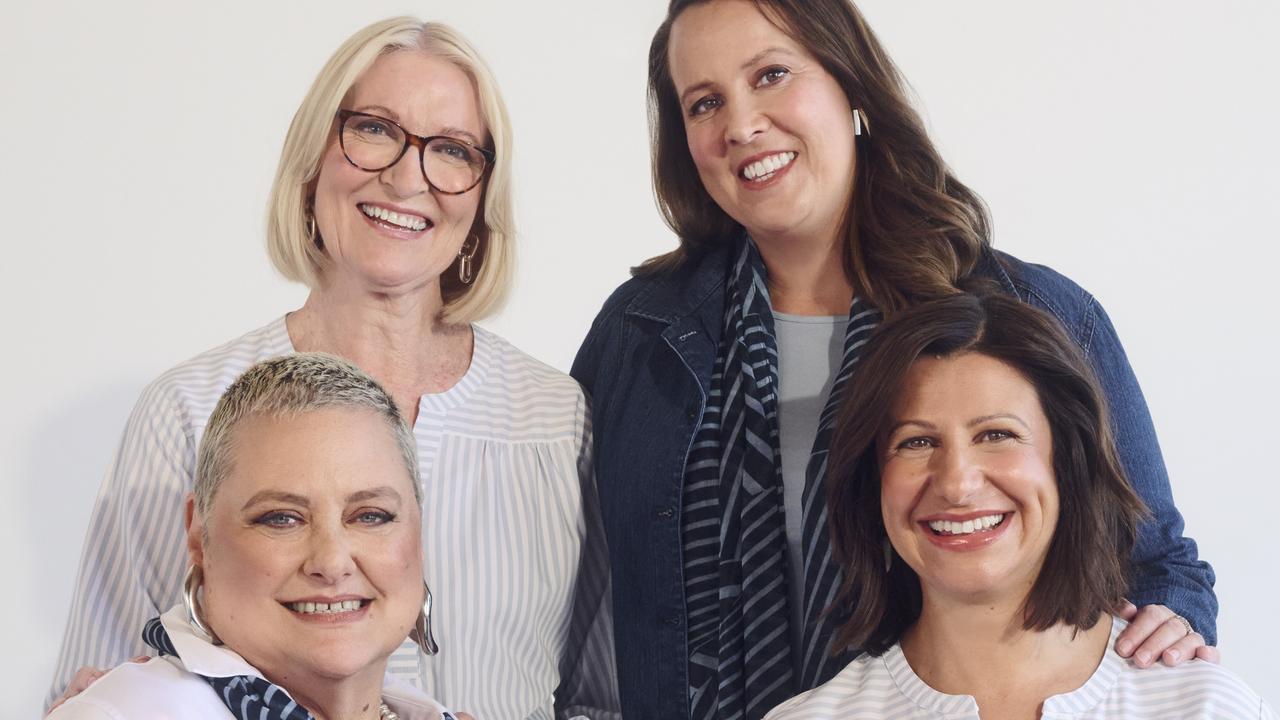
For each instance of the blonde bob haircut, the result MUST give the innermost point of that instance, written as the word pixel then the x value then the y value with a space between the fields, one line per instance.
pixel 289 242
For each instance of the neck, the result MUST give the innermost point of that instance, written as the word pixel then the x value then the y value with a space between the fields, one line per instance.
pixel 806 274
pixel 400 340
pixel 981 649
pixel 357 697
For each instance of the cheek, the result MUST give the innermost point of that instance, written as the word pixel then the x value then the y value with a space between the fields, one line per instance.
pixel 701 147
pixel 897 494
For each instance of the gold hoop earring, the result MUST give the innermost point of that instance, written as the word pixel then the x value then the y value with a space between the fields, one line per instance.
pixel 465 255
pixel 421 633
pixel 190 588
pixel 311 232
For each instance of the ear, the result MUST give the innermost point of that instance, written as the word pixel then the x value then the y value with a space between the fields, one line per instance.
pixel 195 532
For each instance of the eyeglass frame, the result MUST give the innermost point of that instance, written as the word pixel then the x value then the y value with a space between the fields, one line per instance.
pixel 418 141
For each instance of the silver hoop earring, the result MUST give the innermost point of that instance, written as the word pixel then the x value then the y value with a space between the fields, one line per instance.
pixel 190 588
pixel 859 122
pixel 465 255
pixel 421 632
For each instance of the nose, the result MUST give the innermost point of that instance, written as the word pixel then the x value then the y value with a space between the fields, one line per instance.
pixel 329 556
pixel 957 476
pixel 404 179
pixel 746 120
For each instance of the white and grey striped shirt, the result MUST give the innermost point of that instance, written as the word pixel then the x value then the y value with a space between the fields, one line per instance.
pixel 886 687
pixel 514 546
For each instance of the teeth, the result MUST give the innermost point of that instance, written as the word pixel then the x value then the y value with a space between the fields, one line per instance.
pixel 313 608
pixel 762 169
pixel 968 527
pixel 410 222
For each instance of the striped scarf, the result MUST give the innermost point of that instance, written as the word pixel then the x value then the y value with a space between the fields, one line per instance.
pixel 733 525
pixel 247 697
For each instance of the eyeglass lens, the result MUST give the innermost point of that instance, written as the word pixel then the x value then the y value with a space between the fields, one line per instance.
pixel 372 143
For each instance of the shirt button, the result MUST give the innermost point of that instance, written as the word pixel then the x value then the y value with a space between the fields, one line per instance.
pixel 666 513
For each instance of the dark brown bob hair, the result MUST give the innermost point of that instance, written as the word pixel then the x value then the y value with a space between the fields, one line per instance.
pixel 913 231
pixel 1086 568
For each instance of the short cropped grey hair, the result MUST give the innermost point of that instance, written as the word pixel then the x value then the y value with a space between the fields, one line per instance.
pixel 291 385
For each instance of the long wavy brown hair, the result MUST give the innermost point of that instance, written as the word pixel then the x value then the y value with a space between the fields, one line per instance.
pixel 914 232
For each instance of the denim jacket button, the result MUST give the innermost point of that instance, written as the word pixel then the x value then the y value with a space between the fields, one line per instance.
pixel 666 513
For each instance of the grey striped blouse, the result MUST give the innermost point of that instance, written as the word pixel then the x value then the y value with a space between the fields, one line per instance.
pixel 887 688
pixel 514 548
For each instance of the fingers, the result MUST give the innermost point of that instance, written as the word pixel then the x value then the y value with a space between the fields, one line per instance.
pixel 1165 636
pixel 1143 623
pixel 1209 653
pixel 140 659
pixel 1128 611
pixel 1183 649
pixel 83 678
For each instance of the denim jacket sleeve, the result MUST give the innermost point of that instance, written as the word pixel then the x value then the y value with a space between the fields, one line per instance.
pixel 1167 569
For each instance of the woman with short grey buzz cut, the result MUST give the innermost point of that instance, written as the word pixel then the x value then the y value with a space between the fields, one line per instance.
pixel 304 546
pixel 287 385
pixel 392 203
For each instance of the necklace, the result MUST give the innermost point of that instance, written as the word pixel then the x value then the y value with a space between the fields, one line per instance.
pixel 386 713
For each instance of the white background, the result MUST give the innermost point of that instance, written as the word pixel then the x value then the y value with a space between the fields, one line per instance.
pixel 1130 144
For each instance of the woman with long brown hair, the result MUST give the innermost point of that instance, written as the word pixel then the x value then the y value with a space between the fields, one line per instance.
pixel 810 204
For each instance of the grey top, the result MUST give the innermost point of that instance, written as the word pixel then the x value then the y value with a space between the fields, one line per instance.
pixel 809 353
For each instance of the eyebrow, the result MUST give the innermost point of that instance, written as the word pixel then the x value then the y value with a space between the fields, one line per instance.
pixel 903 423
pixel 753 60
pixel 277 496
pixel 972 423
pixel 303 501
pixel 998 416
pixel 371 493
pixel 390 114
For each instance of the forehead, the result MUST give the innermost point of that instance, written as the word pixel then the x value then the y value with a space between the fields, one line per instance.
pixel 713 39
pixel 324 455
pixel 967 385
pixel 422 92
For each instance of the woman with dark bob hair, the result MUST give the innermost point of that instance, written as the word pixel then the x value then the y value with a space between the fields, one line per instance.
pixel 809 204
pixel 977 501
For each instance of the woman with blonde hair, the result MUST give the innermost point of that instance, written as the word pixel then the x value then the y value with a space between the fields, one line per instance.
pixel 392 203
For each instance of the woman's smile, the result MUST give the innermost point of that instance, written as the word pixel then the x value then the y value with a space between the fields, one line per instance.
pixel 971 531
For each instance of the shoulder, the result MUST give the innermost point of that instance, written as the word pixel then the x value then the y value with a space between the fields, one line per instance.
pixel 197 383
pixel 667 293
pixel 1047 289
pixel 863 689
pixel 1192 689
pixel 411 703
pixel 529 396
pixel 154 689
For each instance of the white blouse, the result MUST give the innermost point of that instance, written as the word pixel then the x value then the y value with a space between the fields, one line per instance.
pixel 886 687
pixel 170 687
pixel 514 546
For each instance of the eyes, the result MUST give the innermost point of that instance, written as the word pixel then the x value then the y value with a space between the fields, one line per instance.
pixel 289 519
pixel 766 77
pixel 919 444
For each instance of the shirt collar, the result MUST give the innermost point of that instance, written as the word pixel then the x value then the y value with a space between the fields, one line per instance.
pixel 199 656
pixel 197 653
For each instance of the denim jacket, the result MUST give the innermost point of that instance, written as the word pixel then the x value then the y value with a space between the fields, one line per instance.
pixel 647 365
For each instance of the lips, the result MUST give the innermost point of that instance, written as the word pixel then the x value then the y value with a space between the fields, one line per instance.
pixel 971 531
pixel 395 219
pixel 761 169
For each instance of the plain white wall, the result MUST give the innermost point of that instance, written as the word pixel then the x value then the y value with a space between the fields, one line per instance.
pixel 1129 144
